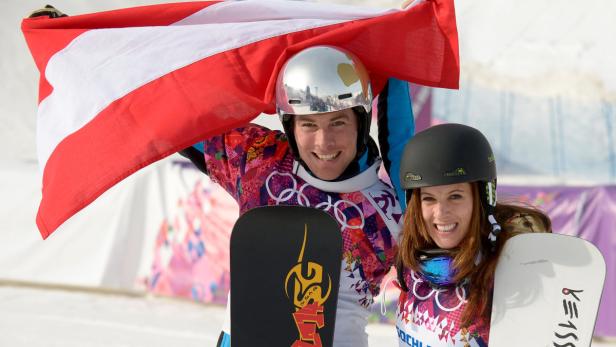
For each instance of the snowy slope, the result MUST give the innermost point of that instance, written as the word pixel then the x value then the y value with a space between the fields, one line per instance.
pixel 34 317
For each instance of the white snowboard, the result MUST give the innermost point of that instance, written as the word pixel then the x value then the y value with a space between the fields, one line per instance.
pixel 546 292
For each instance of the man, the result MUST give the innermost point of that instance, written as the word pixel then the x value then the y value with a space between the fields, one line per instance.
pixel 324 159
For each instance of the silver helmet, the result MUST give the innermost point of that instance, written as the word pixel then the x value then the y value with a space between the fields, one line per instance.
pixel 324 79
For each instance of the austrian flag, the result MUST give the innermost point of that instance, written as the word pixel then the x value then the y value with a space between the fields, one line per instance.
pixel 122 89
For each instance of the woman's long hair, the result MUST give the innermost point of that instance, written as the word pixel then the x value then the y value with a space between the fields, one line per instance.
pixel 415 237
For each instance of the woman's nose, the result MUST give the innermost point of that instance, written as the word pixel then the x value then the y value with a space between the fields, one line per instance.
pixel 441 209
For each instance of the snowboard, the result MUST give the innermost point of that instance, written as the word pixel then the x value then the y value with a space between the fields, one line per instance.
pixel 547 289
pixel 285 273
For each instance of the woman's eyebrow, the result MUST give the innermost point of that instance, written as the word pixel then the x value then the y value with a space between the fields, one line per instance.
pixel 456 191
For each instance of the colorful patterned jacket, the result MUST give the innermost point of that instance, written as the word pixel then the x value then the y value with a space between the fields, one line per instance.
pixel 429 317
pixel 255 165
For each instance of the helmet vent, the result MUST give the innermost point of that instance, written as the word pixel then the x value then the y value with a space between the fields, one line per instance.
pixel 344 96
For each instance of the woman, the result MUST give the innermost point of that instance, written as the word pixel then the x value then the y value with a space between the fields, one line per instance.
pixel 453 233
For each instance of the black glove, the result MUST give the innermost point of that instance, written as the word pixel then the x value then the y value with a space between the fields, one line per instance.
pixel 196 157
pixel 48 11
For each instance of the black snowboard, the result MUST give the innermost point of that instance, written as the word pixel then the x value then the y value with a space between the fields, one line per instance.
pixel 285 272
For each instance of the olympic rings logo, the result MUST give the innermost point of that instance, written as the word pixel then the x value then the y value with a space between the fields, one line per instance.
pixel 459 290
pixel 302 198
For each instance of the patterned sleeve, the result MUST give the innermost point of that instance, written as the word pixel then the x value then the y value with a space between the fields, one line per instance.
pixel 237 154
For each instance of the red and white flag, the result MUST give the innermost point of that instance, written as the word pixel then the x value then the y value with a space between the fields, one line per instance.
pixel 122 89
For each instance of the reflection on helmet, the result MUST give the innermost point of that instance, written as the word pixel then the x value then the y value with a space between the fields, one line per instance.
pixel 323 79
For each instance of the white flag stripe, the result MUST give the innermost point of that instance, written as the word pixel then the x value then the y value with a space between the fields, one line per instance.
pixel 132 57
pixel 257 10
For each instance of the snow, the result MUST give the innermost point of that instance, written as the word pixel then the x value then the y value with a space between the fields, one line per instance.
pixel 64 317
pixel 50 317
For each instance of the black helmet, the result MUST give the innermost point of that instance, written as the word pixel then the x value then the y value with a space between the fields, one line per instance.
pixel 446 154
pixel 449 154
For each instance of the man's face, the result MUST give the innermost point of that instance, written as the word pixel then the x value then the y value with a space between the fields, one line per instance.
pixel 327 142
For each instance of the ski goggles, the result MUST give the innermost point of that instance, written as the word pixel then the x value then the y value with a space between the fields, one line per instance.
pixel 436 266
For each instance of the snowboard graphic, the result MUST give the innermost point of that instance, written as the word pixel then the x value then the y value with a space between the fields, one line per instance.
pixel 285 272
pixel 546 292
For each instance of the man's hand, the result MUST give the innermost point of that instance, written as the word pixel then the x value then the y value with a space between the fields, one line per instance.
pixel 48 11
